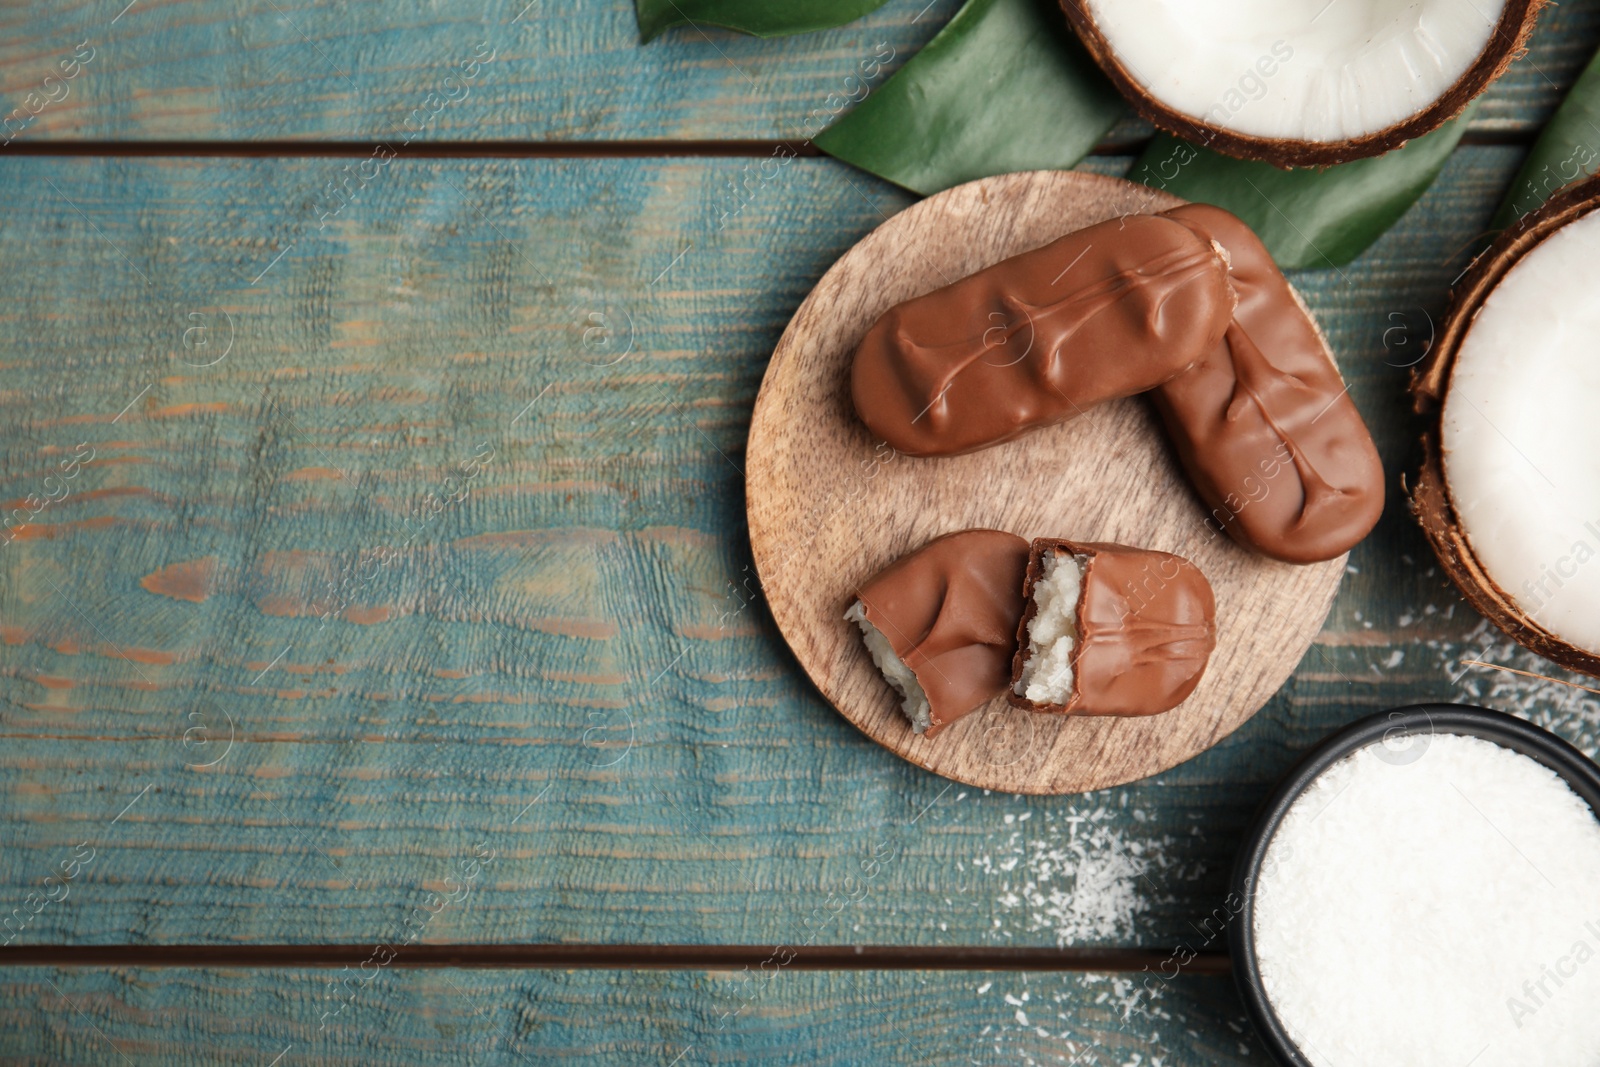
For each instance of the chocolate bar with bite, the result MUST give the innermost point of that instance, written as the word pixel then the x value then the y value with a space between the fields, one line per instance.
pixel 941 623
pixel 1110 630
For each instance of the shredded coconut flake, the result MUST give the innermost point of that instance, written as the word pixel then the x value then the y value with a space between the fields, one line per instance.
pixel 1077 874
pixel 1434 905
pixel 913 700
pixel 1053 631
pixel 1572 713
pixel 1132 1022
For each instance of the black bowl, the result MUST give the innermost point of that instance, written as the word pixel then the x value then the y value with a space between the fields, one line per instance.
pixel 1405 733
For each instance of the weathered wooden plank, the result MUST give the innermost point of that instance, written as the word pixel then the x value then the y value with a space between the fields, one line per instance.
pixel 562 658
pixel 514 69
pixel 179 1017
pixel 243 70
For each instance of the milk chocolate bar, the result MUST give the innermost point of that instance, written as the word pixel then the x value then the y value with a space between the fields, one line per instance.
pixel 1264 424
pixel 1106 312
pixel 1110 630
pixel 941 622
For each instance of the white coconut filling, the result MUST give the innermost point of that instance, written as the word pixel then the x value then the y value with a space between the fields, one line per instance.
pixel 1053 631
pixel 914 702
pixel 1521 438
pixel 1310 70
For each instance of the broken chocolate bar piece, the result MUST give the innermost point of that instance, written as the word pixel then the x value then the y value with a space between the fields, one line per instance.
pixel 1263 424
pixel 1106 312
pixel 1110 630
pixel 941 623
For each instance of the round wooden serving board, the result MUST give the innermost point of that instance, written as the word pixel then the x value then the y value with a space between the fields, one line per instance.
pixel 829 507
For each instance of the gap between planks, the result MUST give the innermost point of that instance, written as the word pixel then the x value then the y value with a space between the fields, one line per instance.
pixel 619 957
pixel 501 149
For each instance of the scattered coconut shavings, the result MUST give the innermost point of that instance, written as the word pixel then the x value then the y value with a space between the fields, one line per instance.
pixel 1572 714
pixel 1077 874
pixel 1096 1020
pixel 1441 672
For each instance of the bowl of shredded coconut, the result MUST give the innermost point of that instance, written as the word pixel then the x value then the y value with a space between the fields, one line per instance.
pixel 1423 890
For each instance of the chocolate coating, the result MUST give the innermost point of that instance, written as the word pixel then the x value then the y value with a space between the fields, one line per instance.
pixel 950 611
pixel 1263 424
pixel 1106 312
pixel 1146 625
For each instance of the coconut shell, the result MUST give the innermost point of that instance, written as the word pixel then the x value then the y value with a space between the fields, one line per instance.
pixel 1430 498
pixel 1508 41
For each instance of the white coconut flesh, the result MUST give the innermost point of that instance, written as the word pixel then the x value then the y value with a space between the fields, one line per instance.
pixel 1306 70
pixel 1053 630
pixel 1521 434
pixel 913 701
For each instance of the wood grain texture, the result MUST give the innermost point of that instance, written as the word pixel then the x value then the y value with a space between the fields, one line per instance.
pixel 827 509
pixel 571 664
pixel 593 588
pixel 176 1018
pixel 239 70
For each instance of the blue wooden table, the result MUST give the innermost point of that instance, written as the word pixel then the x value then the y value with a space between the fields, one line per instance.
pixel 383 677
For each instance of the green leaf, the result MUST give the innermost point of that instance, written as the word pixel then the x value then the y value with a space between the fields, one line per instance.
pixel 759 18
pixel 1004 87
pixel 1567 149
pixel 1306 217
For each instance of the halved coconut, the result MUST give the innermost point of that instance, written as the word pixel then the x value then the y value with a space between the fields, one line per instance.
pixel 1302 82
pixel 1509 492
